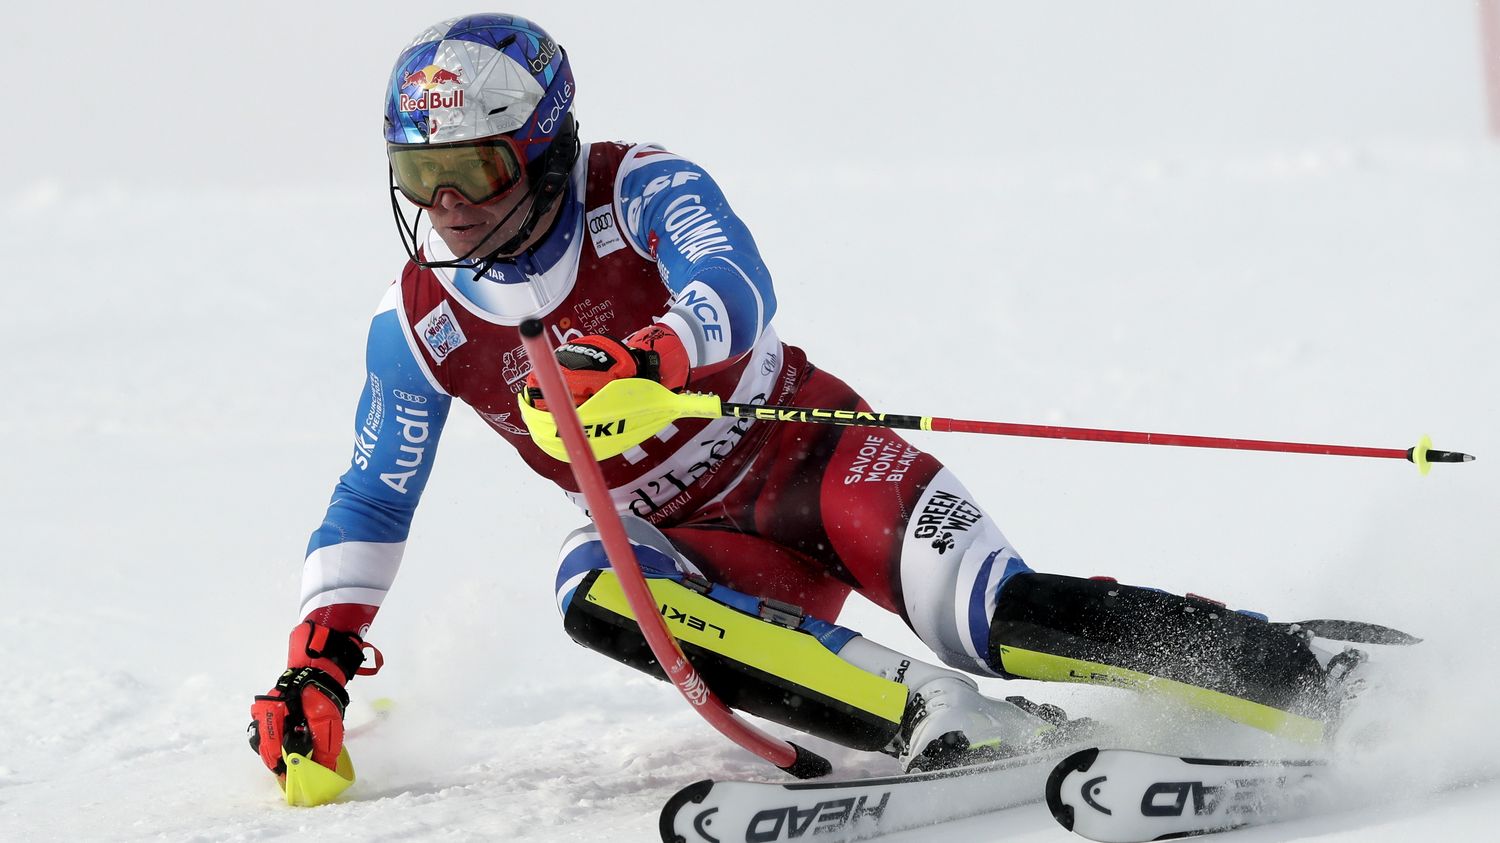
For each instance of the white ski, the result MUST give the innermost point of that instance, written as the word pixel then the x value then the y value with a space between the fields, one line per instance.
pixel 1127 796
pixel 763 812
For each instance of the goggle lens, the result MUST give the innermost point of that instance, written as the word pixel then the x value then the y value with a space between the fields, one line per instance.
pixel 480 172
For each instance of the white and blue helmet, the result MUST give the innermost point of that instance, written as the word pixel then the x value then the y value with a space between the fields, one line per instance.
pixel 495 94
pixel 476 77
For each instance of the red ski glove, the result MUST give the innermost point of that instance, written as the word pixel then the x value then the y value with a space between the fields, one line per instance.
pixel 304 712
pixel 588 363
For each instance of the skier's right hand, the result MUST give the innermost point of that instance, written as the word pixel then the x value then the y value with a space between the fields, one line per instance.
pixel 591 362
pixel 304 711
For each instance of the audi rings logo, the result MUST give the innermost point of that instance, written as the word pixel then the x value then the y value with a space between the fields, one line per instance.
pixel 409 397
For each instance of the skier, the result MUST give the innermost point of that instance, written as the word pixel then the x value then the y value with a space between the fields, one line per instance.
pixel 757 532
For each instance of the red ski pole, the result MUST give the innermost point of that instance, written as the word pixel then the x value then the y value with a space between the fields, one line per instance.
pixel 1422 454
pixel 794 759
pixel 627 412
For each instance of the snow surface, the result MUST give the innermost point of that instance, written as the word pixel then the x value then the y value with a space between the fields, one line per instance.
pixel 1273 220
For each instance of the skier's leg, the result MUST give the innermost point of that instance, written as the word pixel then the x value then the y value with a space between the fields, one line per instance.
pixel 884 517
pixel 843 497
pixel 969 596
pixel 1196 650
pixel 899 526
pixel 946 720
pixel 759 654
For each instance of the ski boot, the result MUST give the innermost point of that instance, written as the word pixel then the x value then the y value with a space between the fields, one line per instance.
pixel 1188 648
pixel 948 723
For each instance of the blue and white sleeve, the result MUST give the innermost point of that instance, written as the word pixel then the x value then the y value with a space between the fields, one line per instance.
pixel 353 556
pixel 722 293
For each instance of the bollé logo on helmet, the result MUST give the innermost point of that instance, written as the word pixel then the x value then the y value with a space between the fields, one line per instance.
pixel 558 107
pixel 428 79
pixel 543 57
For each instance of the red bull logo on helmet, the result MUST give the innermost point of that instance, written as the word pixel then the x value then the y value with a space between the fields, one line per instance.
pixel 428 79
pixel 429 100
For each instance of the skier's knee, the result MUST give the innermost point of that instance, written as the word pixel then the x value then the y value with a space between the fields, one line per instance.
pixel 583 552
pixel 953 561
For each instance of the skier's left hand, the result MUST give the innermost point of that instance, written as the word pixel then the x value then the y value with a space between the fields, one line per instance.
pixel 590 362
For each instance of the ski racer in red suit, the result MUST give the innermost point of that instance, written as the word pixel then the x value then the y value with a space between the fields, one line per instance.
pixel 636 264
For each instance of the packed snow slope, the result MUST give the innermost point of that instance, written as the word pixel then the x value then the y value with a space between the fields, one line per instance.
pixel 1274 220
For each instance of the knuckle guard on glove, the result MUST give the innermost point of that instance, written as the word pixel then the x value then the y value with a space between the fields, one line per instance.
pixel 589 363
pixel 670 364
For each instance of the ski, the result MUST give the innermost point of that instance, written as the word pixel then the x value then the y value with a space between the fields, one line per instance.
pixel 763 812
pixel 1128 796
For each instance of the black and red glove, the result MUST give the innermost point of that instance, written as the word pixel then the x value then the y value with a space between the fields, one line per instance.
pixel 304 712
pixel 589 363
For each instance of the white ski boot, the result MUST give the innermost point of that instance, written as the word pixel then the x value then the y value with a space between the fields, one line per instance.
pixel 948 723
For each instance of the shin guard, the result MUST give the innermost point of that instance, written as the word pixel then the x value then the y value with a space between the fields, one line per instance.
pixel 758 666
pixel 1070 629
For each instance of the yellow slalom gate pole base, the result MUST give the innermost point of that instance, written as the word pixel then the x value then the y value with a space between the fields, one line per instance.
pixel 309 784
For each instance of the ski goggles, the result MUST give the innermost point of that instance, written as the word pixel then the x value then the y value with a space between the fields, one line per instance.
pixel 481 171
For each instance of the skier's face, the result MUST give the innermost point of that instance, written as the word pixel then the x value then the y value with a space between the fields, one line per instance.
pixel 466 227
